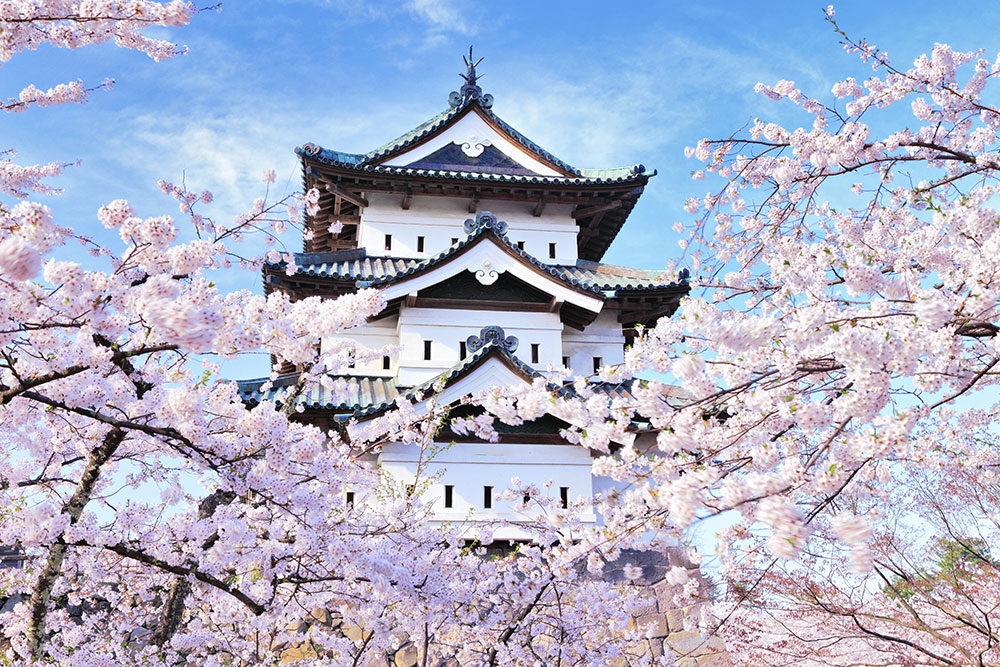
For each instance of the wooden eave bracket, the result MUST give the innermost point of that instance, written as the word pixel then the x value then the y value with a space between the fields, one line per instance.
pixel 356 199
pixel 594 210
pixel 539 207
pixel 334 188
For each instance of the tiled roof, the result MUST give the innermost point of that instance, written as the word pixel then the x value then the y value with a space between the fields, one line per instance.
pixel 355 265
pixel 365 395
pixel 371 395
pixel 366 161
pixel 361 392
pixel 607 176
pixel 443 118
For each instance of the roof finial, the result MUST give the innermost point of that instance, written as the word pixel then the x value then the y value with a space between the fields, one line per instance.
pixel 471 89
pixel 470 69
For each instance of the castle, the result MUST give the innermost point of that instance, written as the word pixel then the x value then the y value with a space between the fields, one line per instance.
pixel 487 249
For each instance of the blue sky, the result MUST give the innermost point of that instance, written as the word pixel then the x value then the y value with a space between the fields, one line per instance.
pixel 596 83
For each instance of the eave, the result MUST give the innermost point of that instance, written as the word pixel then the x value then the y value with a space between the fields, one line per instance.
pixel 601 205
pixel 577 303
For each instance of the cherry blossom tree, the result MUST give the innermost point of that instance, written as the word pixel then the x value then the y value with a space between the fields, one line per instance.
pixel 839 360
pixel 931 597
pixel 160 520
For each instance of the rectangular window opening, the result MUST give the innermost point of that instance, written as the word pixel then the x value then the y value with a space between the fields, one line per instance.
pixel 488 497
pixel 566 362
pixel 388 241
pixel 534 353
pixel 564 496
pixel 427 350
pixel 350 499
pixel 520 245
pixel 420 244
pixel 462 351
pixel 386 363
pixel 552 251
pixel 449 496
pixel 597 364
pixel 454 240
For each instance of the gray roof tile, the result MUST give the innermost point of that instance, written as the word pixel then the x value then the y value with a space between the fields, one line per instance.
pixel 371 395
pixel 374 271
pixel 366 161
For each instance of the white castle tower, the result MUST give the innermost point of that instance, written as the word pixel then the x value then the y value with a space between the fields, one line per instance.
pixel 487 249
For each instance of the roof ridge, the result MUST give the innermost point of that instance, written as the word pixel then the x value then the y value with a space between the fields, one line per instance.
pixel 439 120
pixel 489 346
pixel 419 132
pixel 372 271
pixel 324 156
pixel 485 222
pixel 251 393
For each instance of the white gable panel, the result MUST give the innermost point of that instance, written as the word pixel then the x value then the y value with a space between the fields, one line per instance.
pixel 473 130
pixel 487 260
pixel 492 373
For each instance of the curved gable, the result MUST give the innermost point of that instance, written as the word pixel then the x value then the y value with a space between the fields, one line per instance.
pixel 488 255
pixel 472 128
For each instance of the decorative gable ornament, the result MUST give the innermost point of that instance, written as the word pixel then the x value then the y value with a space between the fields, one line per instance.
pixel 486 275
pixel 492 335
pixel 471 89
pixel 474 145
pixel 485 220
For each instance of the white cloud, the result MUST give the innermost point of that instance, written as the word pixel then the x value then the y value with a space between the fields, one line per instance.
pixel 445 15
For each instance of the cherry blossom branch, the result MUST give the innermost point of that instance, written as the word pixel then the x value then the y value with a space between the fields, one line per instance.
pixel 42 592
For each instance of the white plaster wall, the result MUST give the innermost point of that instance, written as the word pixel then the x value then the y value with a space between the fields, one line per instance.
pixel 441 219
pixel 471 466
pixel 602 338
pixel 472 129
pixel 446 328
pixel 371 336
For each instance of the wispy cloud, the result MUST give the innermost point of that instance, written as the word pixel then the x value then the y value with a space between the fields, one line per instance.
pixel 620 108
pixel 446 15
pixel 416 24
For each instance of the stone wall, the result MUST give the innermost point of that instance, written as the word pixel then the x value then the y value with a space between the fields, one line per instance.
pixel 668 607
pixel 665 614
